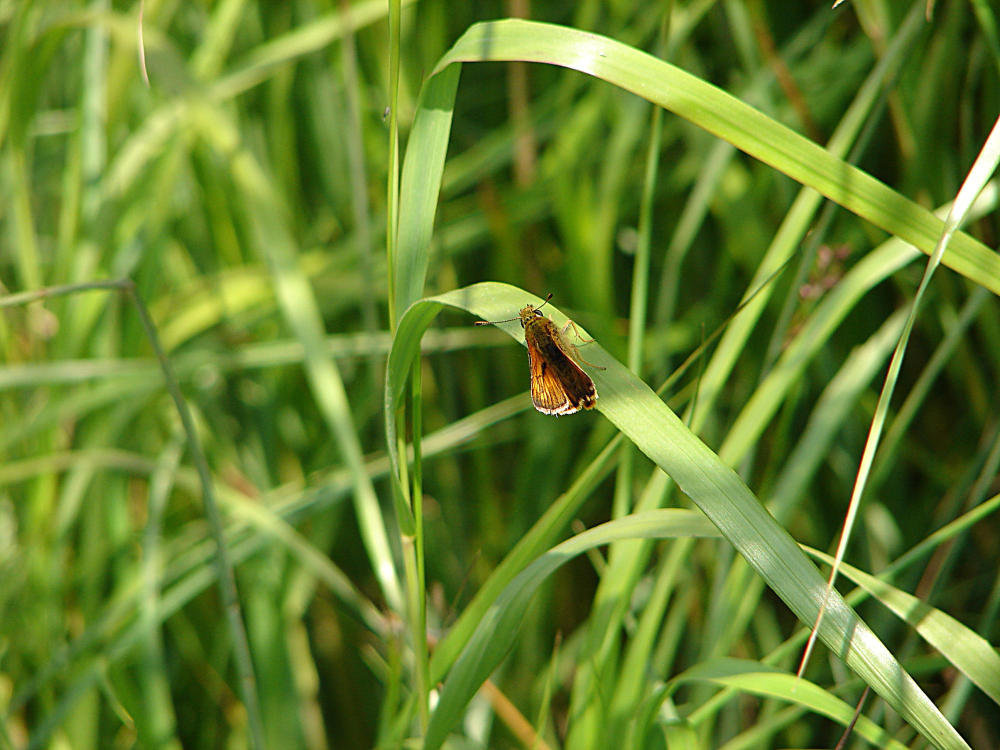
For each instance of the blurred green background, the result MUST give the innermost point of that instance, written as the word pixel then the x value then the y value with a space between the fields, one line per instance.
pixel 246 192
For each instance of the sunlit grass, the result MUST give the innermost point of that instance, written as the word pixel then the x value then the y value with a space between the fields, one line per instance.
pixel 628 576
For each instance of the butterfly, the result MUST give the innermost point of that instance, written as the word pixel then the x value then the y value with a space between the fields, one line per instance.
pixel 558 384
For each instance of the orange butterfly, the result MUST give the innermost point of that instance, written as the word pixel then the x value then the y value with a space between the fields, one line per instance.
pixel 558 383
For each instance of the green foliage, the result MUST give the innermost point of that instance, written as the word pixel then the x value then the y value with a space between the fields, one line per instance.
pixel 419 558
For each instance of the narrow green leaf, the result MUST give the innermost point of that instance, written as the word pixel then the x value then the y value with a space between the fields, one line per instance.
pixel 759 679
pixel 968 651
pixel 732 120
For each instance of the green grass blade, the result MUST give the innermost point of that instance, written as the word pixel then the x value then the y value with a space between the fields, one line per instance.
pixel 299 305
pixel 422 170
pixel 968 651
pixel 758 679
pixel 499 627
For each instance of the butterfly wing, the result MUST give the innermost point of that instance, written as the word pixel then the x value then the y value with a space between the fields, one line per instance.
pixel 558 385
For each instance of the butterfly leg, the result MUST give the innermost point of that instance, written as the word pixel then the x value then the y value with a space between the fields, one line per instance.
pixel 571 324
pixel 576 352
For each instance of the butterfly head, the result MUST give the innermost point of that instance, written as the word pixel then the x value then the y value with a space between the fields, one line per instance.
pixel 529 313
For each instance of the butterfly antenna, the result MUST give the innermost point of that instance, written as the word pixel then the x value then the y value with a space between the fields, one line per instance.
pixel 494 322
pixel 509 320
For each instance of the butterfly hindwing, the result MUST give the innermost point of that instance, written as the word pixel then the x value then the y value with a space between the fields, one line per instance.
pixel 558 385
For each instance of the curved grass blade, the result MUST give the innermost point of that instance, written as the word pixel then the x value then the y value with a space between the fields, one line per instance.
pixel 643 417
pixel 759 679
pixel 499 627
pixel 965 649
pixel 723 115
